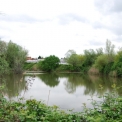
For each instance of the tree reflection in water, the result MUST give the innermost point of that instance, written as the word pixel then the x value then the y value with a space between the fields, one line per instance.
pixel 50 79
pixel 69 87
pixel 13 85
pixel 91 83
pixel 16 84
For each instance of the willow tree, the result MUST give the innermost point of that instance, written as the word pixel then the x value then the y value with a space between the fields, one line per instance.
pixel 104 62
pixel 109 51
pixel 16 56
pixel 4 66
pixel 3 48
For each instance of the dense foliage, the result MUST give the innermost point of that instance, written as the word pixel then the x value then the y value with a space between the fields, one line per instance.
pixel 13 56
pixel 50 63
pixel 97 61
pixel 4 66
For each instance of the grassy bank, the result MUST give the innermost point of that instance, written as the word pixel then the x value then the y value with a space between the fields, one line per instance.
pixel 31 66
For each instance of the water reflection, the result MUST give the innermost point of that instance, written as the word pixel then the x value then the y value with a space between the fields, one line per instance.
pixel 91 83
pixel 51 80
pixel 14 84
pixel 66 90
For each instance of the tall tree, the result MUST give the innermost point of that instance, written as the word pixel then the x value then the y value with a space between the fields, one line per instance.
pixel 16 56
pixel 90 57
pixel 3 48
pixel 109 50
pixel 69 53
pixel 4 66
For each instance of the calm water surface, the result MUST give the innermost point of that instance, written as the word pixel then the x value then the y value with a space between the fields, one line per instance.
pixel 68 91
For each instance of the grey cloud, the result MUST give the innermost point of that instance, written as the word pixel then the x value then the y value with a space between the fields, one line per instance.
pixel 98 25
pixel 115 25
pixel 117 30
pixel 96 43
pixel 112 9
pixel 109 6
pixel 117 6
pixel 4 37
pixel 118 39
pixel 20 18
pixel 67 18
pixel 1 37
pixel 5 28
pixel 103 5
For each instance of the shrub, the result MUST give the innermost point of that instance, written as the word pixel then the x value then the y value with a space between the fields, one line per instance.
pixel 50 63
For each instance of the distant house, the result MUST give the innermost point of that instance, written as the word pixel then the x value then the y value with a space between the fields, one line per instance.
pixel 33 60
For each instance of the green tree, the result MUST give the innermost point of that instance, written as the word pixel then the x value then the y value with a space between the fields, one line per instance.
pixel 101 62
pixel 99 51
pixel 118 63
pixel 90 57
pixel 75 60
pixel 69 53
pixel 51 79
pixel 50 63
pixel 104 62
pixel 39 57
pixel 3 48
pixel 4 66
pixel 109 50
pixel 16 57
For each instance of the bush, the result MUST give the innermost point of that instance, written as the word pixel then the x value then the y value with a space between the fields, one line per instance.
pixel 118 64
pixel 4 66
pixel 118 67
pixel 63 67
pixel 50 63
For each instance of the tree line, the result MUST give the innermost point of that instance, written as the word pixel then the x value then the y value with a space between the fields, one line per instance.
pixel 100 61
pixel 12 57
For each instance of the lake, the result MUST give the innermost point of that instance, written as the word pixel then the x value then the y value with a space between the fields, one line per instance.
pixel 66 90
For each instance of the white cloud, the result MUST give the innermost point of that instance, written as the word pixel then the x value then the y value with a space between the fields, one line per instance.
pixel 53 27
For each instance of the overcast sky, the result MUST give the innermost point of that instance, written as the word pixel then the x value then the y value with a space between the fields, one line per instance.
pixel 52 27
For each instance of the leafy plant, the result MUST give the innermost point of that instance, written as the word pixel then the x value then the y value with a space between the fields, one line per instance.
pixel 50 63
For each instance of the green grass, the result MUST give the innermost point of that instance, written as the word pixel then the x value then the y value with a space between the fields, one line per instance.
pixel 30 66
